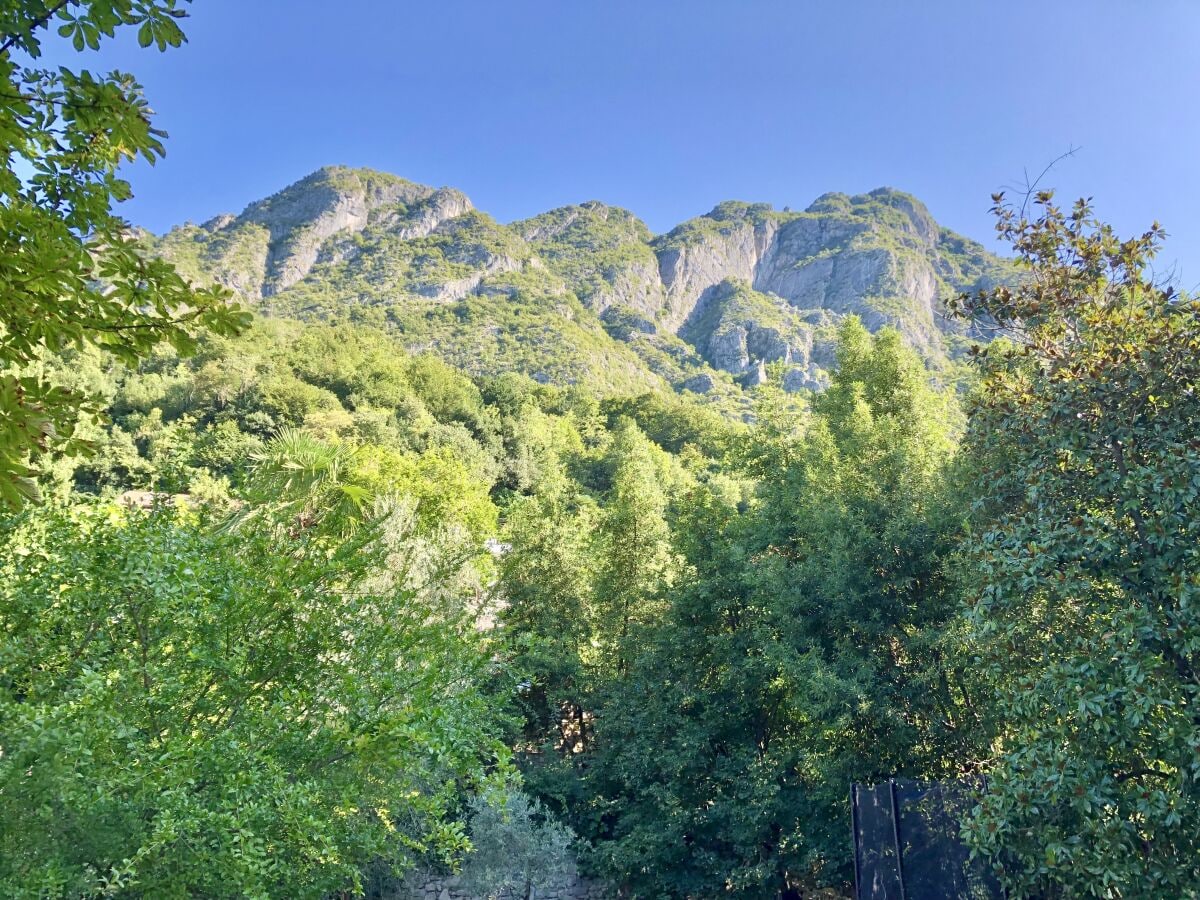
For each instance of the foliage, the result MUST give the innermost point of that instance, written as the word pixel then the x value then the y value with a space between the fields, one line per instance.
pixel 735 305
pixel 593 247
pixel 298 479
pixel 515 847
pixel 71 271
pixel 1087 473
pixel 674 423
pixel 294 674
pixel 808 643
pixel 547 575
pixel 188 712
pixel 582 577
pixel 635 561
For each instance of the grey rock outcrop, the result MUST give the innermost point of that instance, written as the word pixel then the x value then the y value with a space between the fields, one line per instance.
pixel 769 345
pixel 700 384
pixel 736 327
pixel 302 217
pixel 454 289
pixel 757 375
pixel 727 350
pixel 692 259
pixel 216 223
pixel 441 206
pixel 624 322
pixel 634 285
pixel 736 289
pixel 880 256
pixel 735 348
pixel 276 242
pixel 809 379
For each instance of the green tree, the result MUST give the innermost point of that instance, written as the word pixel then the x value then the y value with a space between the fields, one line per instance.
pixel 1086 553
pixel 304 480
pixel 546 577
pixel 71 270
pixel 299 481
pixel 809 643
pixel 186 712
pixel 581 583
pixel 635 559
pixel 446 493
pixel 678 798
pixel 516 847
pixel 857 528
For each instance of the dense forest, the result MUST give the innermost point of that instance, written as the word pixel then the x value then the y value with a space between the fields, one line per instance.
pixel 291 606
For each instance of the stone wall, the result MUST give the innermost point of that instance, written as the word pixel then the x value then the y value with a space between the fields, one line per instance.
pixel 435 887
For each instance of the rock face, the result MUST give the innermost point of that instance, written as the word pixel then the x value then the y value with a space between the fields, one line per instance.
pixel 729 243
pixel 302 217
pixel 292 227
pixel 699 384
pixel 880 256
pixel 757 375
pixel 736 289
pixel 738 328
pixel 809 379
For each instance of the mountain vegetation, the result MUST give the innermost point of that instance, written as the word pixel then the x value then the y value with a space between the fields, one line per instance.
pixel 360 534
pixel 586 294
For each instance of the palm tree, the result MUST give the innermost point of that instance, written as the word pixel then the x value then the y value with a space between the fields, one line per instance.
pixel 303 481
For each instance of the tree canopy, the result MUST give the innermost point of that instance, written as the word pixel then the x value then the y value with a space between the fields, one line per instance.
pixel 73 273
pixel 188 711
pixel 1083 444
pixel 303 607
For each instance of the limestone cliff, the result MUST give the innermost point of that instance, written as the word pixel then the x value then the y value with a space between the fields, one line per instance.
pixel 880 256
pixel 739 296
pixel 275 242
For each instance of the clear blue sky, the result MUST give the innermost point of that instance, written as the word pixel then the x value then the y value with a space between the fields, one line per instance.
pixel 669 106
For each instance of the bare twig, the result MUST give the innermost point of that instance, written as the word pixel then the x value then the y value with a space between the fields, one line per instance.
pixel 1029 187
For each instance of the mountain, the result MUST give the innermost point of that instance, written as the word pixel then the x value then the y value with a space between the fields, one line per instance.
pixel 587 292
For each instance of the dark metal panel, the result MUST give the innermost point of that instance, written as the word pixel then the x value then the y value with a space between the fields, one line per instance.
pixel 875 862
pixel 908 844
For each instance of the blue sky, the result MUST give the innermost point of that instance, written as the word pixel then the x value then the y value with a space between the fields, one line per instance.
pixel 669 106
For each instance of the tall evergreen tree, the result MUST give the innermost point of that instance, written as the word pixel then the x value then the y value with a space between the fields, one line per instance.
pixel 635 558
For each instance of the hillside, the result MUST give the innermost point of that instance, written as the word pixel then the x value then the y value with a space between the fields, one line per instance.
pixel 587 293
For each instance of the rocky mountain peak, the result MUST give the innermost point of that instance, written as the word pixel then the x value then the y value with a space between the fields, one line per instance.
pixel 333 189
pixel 919 220
pixel 591 221
pixel 329 201
pixel 726 298
pixel 737 210
pixel 275 242
pixel 832 202
pixel 603 254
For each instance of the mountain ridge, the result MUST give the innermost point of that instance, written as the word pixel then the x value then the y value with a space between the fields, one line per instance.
pixel 587 291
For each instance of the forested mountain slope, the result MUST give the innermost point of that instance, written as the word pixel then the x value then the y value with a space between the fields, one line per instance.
pixel 516 550
pixel 586 293
pixel 515 442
